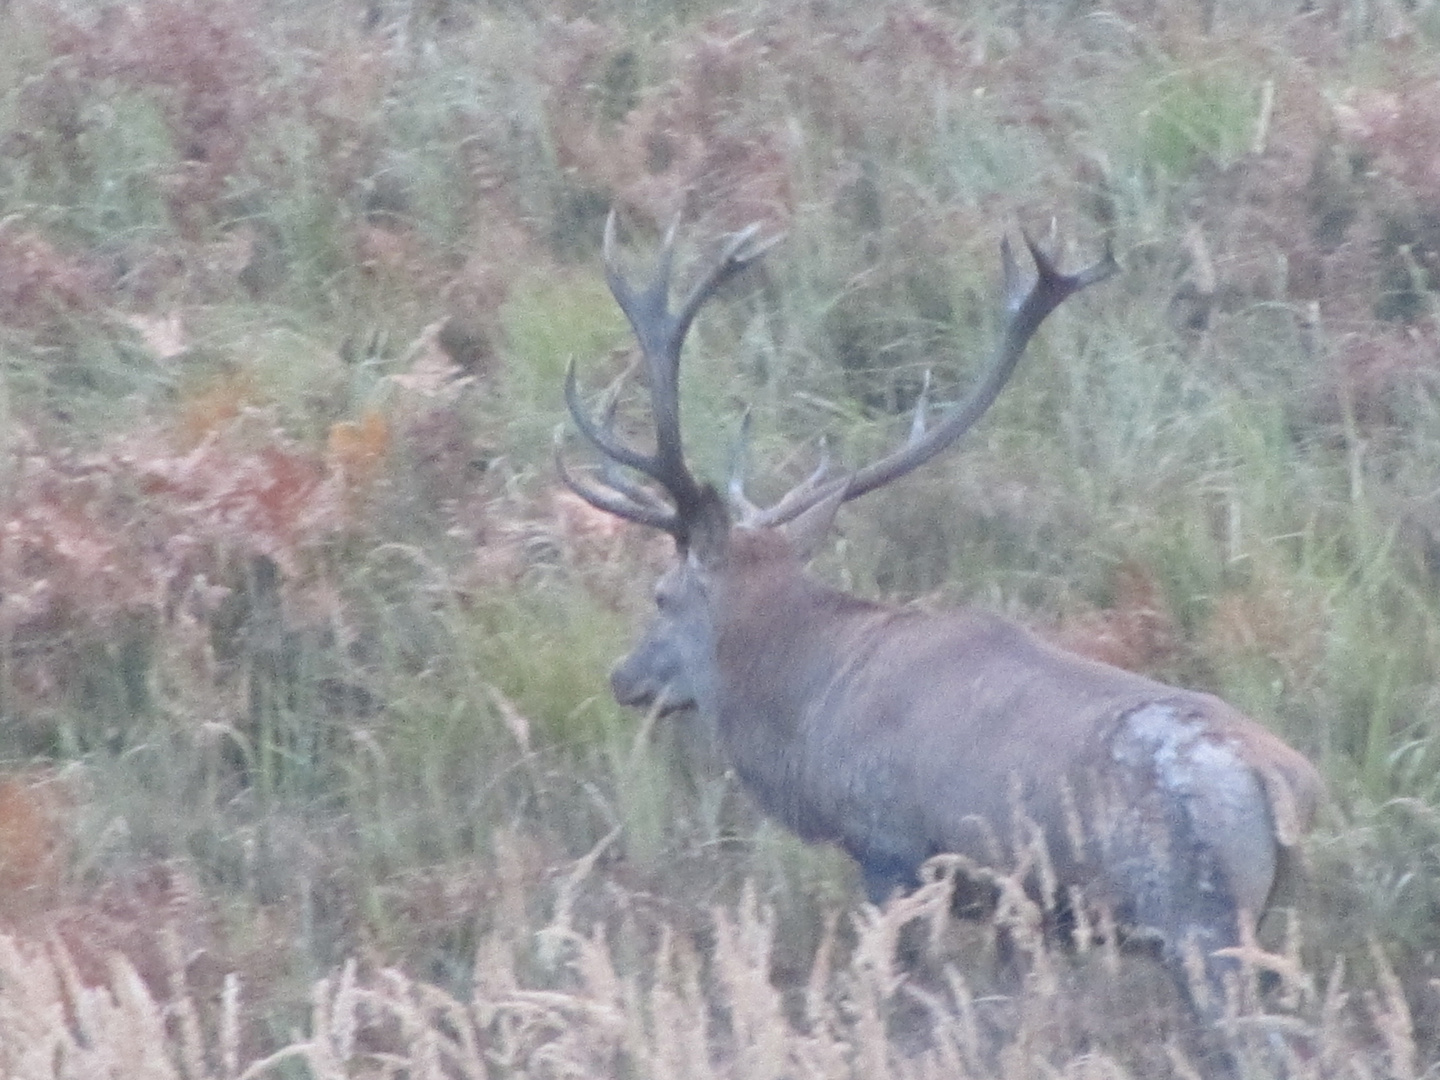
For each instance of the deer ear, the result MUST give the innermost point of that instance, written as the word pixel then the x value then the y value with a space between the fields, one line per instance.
pixel 708 537
pixel 808 531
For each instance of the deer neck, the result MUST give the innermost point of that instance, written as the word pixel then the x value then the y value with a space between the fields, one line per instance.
pixel 781 644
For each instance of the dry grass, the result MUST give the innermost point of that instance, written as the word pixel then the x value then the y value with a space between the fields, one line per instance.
pixel 300 643
pixel 568 1003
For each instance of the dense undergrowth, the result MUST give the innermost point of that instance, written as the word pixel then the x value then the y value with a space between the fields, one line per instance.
pixel 309 761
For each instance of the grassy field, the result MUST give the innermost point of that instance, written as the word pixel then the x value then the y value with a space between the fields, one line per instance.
pixel 308 763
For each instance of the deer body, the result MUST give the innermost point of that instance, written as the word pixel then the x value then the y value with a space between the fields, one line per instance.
pixel 901 734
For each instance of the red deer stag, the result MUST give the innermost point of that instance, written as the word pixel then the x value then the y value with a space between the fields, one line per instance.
pixel 901 734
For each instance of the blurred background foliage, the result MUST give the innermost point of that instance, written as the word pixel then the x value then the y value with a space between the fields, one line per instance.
pixel 300 639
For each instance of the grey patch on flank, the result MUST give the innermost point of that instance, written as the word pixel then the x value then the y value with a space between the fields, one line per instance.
pixel 1206 776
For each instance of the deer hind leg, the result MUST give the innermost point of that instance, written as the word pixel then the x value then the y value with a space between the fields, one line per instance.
pixel 1200 918
pixel 1195 887
pixel 1228 861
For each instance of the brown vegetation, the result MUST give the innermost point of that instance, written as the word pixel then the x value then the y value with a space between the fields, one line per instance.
pixel 299 642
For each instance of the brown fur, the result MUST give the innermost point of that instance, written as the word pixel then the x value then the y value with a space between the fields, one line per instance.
pixel 900 734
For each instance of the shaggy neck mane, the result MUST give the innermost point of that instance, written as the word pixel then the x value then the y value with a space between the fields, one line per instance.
pixel 767 678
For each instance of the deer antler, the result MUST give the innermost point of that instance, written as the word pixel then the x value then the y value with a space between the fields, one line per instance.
pixel 661 334
pixel 1027 309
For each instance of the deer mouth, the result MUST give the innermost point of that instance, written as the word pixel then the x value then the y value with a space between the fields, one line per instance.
pixel 645 695
pixel 668 706
pixel 658 704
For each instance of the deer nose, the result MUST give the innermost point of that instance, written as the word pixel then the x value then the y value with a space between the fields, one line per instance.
pixel 629 689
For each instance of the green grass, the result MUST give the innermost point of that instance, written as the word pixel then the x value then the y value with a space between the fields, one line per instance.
pixel 378 722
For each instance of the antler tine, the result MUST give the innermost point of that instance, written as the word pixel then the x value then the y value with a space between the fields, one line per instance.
pixel 1026 310
pixel 739 465
pixel 733 259
pixel 752 516
pixel 815 488
pixel 623 497
pixel 613 500
pixel 602 438
pixel 922 407
pixel 1013 289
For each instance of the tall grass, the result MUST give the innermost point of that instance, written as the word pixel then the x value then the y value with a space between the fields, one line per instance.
pixel 310 762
